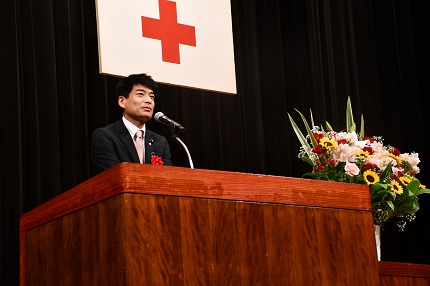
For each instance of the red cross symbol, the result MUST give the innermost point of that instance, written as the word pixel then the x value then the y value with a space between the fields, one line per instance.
pixel 169 31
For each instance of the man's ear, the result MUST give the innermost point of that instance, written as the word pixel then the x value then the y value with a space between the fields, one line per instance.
pixel 121 100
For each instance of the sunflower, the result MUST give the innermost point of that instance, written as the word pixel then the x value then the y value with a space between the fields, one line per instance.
pixel 328 143
pixel 370 177
pixel 362 154
pixel 405 180
pixel 396 187
pixel 397 158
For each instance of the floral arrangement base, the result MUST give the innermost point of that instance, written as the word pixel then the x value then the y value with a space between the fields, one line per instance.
pixel 378 241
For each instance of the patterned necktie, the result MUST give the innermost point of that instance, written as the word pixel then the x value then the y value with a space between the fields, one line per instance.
pixel 139 144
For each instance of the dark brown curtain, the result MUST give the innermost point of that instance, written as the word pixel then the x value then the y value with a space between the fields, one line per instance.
pixel 309 54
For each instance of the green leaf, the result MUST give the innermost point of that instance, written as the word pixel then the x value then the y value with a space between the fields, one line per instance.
pixel 413 186
pixel 378 186
pixel 308 129
pixel 310 175
pixel 307 160
pixel 390 203
pixel 361 136
pixel 301 137
pixel 381 194
pixel 350 125
pixel 422 191
pixel 312 117
pixel 408 191
pixel 328 126
pixel 386 172
pixel 406 207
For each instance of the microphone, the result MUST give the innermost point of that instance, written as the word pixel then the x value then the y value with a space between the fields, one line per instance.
pixel 160 117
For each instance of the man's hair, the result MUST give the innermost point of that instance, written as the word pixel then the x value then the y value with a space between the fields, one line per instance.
pixel 125 85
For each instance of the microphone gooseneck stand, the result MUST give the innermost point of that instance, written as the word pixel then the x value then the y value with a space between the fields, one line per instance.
pixel 176 137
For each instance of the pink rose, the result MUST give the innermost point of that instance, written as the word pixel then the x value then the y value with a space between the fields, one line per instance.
pixel 351 169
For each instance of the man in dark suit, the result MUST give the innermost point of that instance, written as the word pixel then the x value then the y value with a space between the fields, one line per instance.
pixel 116 142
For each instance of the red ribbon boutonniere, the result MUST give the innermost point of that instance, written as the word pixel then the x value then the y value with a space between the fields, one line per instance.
pixel 156 160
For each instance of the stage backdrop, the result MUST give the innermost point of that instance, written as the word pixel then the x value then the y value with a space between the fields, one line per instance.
pixel 185 43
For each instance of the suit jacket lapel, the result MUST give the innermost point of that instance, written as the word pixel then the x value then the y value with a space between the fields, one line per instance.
pixel 125 137
pixel 149 146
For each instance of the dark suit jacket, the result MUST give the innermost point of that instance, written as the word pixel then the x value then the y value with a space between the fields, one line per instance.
pixel 113 144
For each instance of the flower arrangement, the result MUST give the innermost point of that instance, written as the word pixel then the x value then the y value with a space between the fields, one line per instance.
pixel 350 157
pixel 156 160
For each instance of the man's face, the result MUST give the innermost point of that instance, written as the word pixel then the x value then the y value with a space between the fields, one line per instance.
pixel 139 105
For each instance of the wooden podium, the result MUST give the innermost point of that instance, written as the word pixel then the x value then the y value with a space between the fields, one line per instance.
pixel 156 225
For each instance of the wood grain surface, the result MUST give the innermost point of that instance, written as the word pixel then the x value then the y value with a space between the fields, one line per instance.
pixel 404 274
pixel 154 225
pixel 197 183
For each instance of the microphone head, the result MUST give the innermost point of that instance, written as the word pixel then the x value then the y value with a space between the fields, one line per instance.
pixel 158 115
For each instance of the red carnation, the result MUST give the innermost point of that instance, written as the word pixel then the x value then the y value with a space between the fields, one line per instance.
pixel 395 151
pixel 156 160
pixel 368 149
pixel 371 140
pixel 318 136
pixel 369 166
pixel 318 149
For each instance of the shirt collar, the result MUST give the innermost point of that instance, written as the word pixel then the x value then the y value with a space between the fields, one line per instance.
pixel 132 129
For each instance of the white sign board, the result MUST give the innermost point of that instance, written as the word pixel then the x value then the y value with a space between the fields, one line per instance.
pixel 184 42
